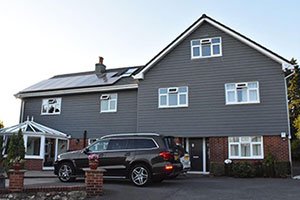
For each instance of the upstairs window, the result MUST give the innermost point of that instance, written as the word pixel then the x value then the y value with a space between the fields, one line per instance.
pixel 241 93
pixel 108 103
pixel 208 47
pixel 246 147
pixel 51 106
pixel 173 97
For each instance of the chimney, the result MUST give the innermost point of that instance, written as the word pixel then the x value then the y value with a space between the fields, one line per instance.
pixel 100 67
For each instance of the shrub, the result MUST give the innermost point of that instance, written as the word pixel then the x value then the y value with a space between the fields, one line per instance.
pixel 268 165
pixel 243 170
pixel 282 169
pixel 259 170
pixel 217 169
pixel 296 149
pixel 16 148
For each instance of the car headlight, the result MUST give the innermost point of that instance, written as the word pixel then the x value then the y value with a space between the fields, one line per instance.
pixel 59 156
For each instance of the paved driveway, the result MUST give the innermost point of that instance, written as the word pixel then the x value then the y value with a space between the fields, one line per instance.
pixel 192 187
pixel 195 187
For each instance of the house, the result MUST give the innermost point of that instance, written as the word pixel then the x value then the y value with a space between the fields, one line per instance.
pixel 222 94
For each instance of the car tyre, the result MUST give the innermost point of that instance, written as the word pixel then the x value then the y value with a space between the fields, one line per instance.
pixel 140 175
pixel 65 172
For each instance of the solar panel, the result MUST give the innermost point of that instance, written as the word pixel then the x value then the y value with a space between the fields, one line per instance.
pixel 77 81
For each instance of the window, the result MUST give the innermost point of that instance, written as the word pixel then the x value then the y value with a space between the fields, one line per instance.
pixel 101 145
pixel 51 106
pixel 173 97
pixel 246 147
pixel 239 93
pixel 117 144
pixel 128 72
pixel 62 146
pixel 142 143
pixel 208 47
pixel 109 102
pixel 92 140
pixel 33 146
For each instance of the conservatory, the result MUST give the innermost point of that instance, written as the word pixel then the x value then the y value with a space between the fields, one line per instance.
pixel 42 144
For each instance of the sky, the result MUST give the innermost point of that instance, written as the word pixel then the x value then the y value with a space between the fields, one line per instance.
pixel 43 38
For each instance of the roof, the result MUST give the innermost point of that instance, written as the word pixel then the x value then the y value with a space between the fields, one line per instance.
pixel 73 82
pixel 139 74
pixel 33 128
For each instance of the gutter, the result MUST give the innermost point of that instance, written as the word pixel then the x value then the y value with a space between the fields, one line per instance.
pixel 288 119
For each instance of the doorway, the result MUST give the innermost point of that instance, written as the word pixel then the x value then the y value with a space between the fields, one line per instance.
pixel 49 158
pixel 198 149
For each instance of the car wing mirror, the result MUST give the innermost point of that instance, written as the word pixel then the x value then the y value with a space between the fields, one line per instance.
pixel 86 150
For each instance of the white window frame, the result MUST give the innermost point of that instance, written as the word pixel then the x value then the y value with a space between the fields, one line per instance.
pixel 92 140
pixel 235 93
pixel 211 47
pixel 109 102
pixel 42 147
pixel 59 99
pixel 178 97
pixel 240 142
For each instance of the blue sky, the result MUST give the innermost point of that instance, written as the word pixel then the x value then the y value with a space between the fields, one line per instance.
pixel 39 39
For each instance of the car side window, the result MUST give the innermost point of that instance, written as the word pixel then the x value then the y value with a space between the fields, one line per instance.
pixel 117 144
pixel 100 145
pixel 144 144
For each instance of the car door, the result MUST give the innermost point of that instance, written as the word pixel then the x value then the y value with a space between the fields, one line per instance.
pixel 98 148
pixel 117 157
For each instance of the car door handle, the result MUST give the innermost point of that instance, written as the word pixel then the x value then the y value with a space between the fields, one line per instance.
pixel 127 154
pixel 101 155
pixel 196 156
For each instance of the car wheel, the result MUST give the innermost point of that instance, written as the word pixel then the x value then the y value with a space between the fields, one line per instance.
pixel 65 172
pixel 140 175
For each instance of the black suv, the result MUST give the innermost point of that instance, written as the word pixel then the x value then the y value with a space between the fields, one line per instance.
pixel 140 157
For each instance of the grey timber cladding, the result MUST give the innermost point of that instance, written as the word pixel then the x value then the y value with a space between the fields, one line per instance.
pixel 207 114
pixel 82 112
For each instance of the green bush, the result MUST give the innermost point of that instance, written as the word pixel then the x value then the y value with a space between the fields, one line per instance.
pixel 268 165
pixel 217 169
pixel 282 169
pixel 243 170
pixel 296 149
pixel 259 170
pixel 16 149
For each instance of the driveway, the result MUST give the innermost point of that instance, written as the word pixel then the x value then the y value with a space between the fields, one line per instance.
pixel 191 187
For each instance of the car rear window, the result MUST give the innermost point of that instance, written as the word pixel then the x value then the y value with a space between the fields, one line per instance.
pixel 170 143
pixel 141 144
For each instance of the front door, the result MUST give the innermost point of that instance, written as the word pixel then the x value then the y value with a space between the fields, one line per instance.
pixel 49 152
pixel 196 154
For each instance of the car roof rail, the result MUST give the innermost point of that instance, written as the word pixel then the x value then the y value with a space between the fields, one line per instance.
pixel 129 134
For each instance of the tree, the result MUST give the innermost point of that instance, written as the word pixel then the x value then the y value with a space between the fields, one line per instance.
pixel 1 124
pixel 294 98
pixel 16 148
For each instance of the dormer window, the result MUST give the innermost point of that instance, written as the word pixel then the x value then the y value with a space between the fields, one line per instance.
pixel 208 47
pixel 108 103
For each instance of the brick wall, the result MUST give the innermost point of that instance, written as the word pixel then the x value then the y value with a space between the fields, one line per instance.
pixel 218 149
pixel 34 164
pixel 76 144
pixel 273 144
pixel 277 146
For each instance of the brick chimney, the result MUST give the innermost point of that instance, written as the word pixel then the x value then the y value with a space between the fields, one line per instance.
pixel 100 68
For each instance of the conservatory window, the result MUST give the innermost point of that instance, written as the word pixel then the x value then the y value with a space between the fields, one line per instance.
pixel 33 146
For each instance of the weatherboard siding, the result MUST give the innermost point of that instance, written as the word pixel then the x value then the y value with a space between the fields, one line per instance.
pixel 207 114
pixel 81 112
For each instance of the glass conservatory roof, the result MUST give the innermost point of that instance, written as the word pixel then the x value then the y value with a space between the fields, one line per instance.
pixel 33 128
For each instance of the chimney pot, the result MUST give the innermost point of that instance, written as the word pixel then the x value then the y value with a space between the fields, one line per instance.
pixel 100 68
pixel 101 60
